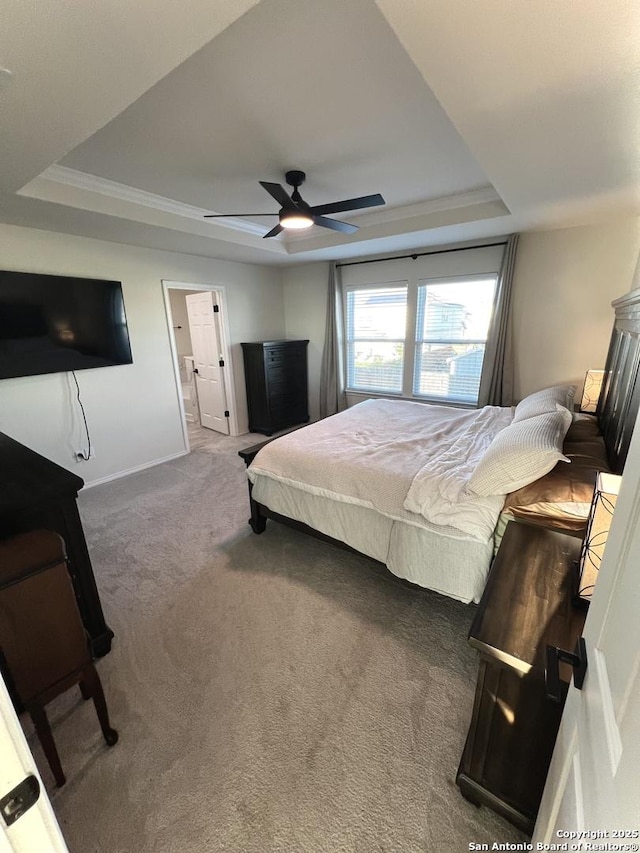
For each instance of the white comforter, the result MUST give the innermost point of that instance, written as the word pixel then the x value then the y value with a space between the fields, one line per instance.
pixel 408 461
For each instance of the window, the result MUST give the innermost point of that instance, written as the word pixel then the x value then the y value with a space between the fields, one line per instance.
pixel 422 339
pixel 376 326
pixel 451 331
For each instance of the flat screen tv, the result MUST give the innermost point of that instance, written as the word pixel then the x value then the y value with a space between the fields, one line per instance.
pixel 54 323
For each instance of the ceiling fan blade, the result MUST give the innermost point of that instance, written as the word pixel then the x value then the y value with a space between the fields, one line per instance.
pixel 274 231
pixel 279 193
pixel 236 215
pixel 335 224
pixel 349 204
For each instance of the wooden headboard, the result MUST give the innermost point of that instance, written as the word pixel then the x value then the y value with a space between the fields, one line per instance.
pixel 620 397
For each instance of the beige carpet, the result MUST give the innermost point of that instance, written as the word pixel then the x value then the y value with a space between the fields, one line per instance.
pixel 272 693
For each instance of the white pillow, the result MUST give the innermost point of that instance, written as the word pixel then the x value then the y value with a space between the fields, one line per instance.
pixel 521 453
pixel 544 401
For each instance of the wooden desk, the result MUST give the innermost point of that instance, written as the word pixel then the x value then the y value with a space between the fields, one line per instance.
pixel 37 493
pixel 525 606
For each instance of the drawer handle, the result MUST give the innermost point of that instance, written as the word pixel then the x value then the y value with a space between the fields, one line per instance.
pixel 577 659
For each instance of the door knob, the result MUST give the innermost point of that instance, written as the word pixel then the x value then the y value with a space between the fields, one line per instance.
pixel 14 804
pixel 577 659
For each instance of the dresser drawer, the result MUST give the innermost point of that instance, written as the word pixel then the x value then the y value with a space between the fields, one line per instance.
pixel 284 354
pixel 293 412
pixel 287 399
pixel 287 376
pixel 275 355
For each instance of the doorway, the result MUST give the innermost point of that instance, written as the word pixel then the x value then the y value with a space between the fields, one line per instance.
pixel 199 337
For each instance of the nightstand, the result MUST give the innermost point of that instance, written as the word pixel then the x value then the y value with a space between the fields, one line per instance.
pixel 526 606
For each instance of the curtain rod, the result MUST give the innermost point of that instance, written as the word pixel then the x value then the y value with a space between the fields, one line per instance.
pixel 415 255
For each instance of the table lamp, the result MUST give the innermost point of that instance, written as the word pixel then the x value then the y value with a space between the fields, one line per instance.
pixel 591 393
pixel 602 506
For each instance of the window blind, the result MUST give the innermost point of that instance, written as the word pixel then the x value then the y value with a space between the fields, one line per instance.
pixel 376 324
pixel 451 330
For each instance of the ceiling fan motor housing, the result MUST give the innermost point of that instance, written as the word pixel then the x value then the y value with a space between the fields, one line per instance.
pixel 295 178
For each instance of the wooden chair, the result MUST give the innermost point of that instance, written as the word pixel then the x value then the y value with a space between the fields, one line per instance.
pixel 42 639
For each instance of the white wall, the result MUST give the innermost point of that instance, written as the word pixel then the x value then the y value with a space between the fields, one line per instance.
pixel 305 306
pixel 565 281
pixel 132 410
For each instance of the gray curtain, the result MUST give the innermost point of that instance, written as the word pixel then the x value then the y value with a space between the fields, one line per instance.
pixel 496 382
pixel 332 396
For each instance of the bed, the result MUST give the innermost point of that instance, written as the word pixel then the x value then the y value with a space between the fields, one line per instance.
pixel 427 490
pixel 353 483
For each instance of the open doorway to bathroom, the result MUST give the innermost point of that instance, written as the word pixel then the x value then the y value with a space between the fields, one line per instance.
pixel 199 334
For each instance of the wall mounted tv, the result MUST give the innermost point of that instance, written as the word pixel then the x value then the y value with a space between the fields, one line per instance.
pixel 54 323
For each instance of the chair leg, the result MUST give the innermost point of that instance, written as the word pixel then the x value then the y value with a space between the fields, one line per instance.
pixel 43 730
pixel 86 694
pixel 93 686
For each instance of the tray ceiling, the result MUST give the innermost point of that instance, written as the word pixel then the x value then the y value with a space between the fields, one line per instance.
pixel 468 122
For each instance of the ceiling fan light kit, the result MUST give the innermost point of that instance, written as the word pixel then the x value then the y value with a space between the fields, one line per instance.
pixel 296 214
pixel 293 220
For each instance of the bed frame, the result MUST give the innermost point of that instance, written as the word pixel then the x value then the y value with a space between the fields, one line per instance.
pixel 620 397
pixel 617 411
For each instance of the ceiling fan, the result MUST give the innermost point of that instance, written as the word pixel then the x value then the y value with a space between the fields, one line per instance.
pixel 295 213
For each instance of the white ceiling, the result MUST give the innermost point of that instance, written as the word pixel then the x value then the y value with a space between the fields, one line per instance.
pixel 128 121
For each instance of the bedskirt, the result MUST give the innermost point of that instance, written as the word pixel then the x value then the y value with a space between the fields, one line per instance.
pixel 456 567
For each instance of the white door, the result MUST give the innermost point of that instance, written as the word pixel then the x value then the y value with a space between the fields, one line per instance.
pixel 205 339
pixel 594 780
pixel 37 829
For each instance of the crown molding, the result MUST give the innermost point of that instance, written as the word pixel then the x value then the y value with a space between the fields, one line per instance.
pixel 123 192
pixel 290 242
pixel 483 195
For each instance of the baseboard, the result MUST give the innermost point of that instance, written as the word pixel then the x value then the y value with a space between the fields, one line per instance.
pixel 136 470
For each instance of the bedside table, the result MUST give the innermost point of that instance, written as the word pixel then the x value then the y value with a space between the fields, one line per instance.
pixel 526 606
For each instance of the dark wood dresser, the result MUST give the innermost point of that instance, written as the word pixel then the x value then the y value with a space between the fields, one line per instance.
pixel 37 493
pixel 276 379
pixel 526 606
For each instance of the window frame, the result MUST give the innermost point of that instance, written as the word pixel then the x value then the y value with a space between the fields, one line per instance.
pixel 412 283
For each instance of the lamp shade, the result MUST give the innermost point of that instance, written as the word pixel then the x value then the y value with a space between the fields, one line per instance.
pixel 602 506
pixel 591 393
